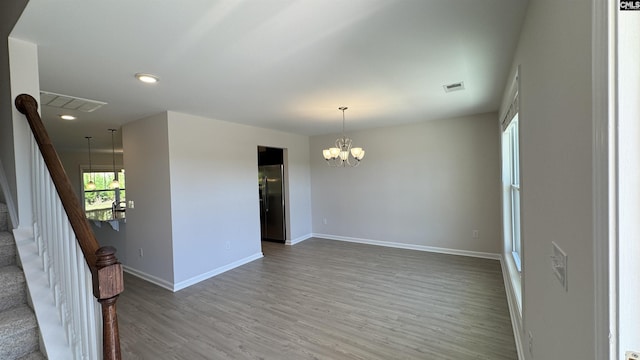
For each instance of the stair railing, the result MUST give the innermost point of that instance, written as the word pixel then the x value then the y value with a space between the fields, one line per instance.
pixel 76 264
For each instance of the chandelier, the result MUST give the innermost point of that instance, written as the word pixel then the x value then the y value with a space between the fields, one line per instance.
pixel 90 185
pixel 115 184
pixel 343 154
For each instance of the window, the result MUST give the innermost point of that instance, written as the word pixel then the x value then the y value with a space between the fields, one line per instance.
pixel 511 157
pixel 103 197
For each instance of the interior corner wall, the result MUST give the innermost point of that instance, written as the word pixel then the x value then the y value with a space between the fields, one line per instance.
pixel 10 12
pixel 149 223
pixel 429 184
pixel 214 192
pixel 23 61
pixel 555 119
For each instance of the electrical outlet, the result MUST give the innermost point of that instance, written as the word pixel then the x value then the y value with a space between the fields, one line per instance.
pixel 632 355
pixel 227 245
pixel 530 343
pixel 140 253
pixel 475 234
pixel 324 221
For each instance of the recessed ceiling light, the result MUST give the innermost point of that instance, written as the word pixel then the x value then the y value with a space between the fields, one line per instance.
pixel 67 117
pixel 147 78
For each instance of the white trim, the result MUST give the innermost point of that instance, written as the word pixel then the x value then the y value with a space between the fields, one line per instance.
pixel 194 280
pixel 299 239
pixel 603 173
pixel 52 334
pixel 150 278
pixel 8 199
pixel 514 310
pixel 398 245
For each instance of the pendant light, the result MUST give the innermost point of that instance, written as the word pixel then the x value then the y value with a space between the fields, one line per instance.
pixel 90 185
pixel 115 184
pixel 343 154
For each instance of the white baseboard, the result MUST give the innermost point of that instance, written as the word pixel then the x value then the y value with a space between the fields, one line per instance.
pixel 194 280
pixel 513 309
pixel 434 249
pixel 299 239
pixel 150 278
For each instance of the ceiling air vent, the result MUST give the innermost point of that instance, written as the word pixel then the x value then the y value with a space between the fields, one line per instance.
pixel 69 102
pixel 454 87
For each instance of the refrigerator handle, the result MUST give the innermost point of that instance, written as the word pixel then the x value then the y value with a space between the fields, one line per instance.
pixel 266 194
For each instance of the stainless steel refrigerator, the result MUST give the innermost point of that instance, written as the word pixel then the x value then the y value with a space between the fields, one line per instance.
pixel 271 191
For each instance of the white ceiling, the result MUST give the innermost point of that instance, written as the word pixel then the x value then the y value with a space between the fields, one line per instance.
pixel 280 64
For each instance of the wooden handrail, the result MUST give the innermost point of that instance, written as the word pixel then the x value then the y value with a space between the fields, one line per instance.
pixel 105 268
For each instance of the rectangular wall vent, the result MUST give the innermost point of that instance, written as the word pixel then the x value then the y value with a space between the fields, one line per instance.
pixel 69 102
pixel 454 87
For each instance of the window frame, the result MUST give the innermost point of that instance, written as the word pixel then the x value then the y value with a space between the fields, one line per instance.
pixel 101 169
pixel 512 137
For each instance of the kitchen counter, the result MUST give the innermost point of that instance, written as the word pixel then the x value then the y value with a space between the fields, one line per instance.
pixel 113 218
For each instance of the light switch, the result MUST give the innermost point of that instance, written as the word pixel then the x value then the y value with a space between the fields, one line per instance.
pixel 131 204
pixel 559 265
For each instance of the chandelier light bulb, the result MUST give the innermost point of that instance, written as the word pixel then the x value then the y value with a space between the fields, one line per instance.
pixel 90 185
pixel 115 184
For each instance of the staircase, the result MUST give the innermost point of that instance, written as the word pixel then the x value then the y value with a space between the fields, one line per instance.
pixel 19 334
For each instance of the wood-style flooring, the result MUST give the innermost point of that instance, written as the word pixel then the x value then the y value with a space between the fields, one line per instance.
pixel 323 299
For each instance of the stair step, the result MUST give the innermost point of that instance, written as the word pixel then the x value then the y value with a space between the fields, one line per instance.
pixel 12 287
pixel 18 333
pixel 33 356
pixel 7 249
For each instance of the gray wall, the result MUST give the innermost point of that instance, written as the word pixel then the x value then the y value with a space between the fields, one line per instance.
pixel 149 226
pixel 554 54
pixel 428 184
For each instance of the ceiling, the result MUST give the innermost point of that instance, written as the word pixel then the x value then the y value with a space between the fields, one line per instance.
pixel 280 64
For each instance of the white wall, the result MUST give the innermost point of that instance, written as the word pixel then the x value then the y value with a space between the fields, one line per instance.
pixel 428 184
pixel 198 213
pixel 146 160
pixel 9 13
pixel 554 54
pixel 629 180
pixel 214 192
pixel 23 60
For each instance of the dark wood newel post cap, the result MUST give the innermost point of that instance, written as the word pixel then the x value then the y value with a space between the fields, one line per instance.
pixel 22 100
pixel 108 279
pixel 106 256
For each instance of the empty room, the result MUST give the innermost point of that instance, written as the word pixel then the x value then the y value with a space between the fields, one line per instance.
pixel 283 179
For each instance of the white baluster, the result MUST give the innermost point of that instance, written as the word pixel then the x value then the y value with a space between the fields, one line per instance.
pixel 69 276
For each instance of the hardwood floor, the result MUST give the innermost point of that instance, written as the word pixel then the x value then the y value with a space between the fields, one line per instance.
pixel 323 299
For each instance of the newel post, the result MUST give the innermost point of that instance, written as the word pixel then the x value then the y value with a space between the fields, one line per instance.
pixel 107 286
